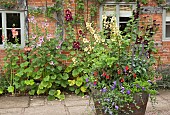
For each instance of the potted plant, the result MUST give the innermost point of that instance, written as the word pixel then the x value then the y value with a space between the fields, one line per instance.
pixel 120 71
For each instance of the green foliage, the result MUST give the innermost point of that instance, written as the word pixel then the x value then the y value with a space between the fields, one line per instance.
pixel 8 4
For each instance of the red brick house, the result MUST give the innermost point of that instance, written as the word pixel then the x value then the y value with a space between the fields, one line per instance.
pixel 19 10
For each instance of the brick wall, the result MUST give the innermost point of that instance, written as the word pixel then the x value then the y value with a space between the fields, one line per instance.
pixel 162 46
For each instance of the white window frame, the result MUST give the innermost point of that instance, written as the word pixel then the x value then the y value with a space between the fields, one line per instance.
pixel 22 28
pixel 118 13
pixel 164 20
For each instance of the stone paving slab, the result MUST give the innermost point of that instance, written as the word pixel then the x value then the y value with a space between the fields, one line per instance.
pixel 12 111
pixel 80 110
pixel 37 101
pixel 13 102
pixel 46 110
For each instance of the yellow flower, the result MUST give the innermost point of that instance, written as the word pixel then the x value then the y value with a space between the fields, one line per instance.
pixel 85 49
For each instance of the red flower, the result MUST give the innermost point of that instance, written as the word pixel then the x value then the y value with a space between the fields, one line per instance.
pixel 122 80
pixel 127 68
pixel 118 72
pixel 95 82
pixel 117 65
pixel 104 74
pixel 134 75
pixel 107 77
pixel 76 45
pixel 95 73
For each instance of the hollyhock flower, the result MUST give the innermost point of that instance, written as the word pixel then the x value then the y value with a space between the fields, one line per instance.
pixel 49 36
pixel 68 16
pixel 76 45
pixel 128 92
pixel 39 44
pixel 80 32
pixel 14 32
pixel 34 36
pixel 41 39
pixel 139 40
pixel 45 24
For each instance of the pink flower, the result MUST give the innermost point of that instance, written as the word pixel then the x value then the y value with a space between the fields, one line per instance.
pixel 51 63
pixel 41 39
pixel 14 33
pixel 49 36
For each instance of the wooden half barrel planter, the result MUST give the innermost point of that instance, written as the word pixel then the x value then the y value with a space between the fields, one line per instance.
pixel 140 99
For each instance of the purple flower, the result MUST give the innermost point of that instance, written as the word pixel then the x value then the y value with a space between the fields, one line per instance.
pixel 122 89
pixel 143 88
pixel 113 87
pixel 114 82
pixel 87 80
pixel 110 112
pixel 138 86
pixel 116 107
pixel 128 92
pixel 104 90
pixel 113 103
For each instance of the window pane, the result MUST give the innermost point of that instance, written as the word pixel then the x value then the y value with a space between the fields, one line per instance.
pixel 0 20
pixel 109 10
pixel 0 37
pixel 122 22
pixel 167 30
pixel 15 38
pixel 124 19
pixel 126 7
pixel 13 18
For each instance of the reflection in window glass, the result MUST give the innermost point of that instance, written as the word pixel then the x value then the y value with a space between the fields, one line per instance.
pixel 13 18
pixel 14 38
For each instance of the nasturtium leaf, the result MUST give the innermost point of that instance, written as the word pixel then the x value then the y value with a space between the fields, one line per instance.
pixel 71 82
pixel 83 89
pixel 10 89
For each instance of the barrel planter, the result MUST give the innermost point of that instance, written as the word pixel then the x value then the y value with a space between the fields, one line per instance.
pixel 140 99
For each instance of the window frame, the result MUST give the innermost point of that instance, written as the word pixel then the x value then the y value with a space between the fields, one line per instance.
pixel 117 10
pixel 164 20
pixel 22 28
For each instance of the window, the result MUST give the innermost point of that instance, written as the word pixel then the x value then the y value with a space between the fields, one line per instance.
pixel 12 26
pixel 122 11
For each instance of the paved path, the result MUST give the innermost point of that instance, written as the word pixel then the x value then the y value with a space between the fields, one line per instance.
pixel 72 105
